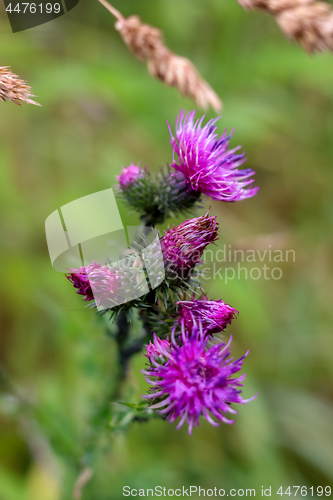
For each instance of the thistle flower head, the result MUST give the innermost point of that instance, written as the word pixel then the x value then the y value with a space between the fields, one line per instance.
pixel 13 88
pixel 96 282
pixel 214 315
pixel 184 245
pixel 129 175
pixel 196 381
pixel 159 349
pixel 207 163
pixel 80 281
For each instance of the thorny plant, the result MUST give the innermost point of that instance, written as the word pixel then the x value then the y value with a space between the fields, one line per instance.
pixel 190 371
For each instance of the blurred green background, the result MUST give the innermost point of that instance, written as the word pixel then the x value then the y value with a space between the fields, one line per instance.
pixel 101 111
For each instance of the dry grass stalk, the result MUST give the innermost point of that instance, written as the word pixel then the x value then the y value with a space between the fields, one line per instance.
pixel 84 477
pixel 14 89
pixel 306 21
pixel 146 42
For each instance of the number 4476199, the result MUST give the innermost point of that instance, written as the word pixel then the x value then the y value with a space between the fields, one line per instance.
pixel 306 491
pixel 32 8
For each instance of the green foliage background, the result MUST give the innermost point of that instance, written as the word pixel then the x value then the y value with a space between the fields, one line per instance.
pixel 101 111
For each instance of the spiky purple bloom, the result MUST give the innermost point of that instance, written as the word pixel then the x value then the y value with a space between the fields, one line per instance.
pixel 129 175
pixel 196 381
pixel 184 245
pixel 80 281
pixel 159 349
pixel 207 163
pixel 214 315
pixel 96 282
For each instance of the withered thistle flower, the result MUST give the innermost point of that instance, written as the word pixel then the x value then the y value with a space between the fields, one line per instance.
pixel 306 21
pixel 184 245
pixel 147 43
pixel 13 88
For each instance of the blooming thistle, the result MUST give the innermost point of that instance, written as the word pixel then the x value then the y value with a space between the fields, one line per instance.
pixel 129 175
pixel 184 245
pixel 13 88
pixel 195 381
pixel 159 349
pixel 214 315
pixel 96 282
pixel 80 281
pixel 207 163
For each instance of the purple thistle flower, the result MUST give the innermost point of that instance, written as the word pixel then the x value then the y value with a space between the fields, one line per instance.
pixel 96 282
pixel 207 163
pixel 184 245
pixel 196 381
pixel 129 175
pixel 214 315
pixel 159 349
pixel 80 280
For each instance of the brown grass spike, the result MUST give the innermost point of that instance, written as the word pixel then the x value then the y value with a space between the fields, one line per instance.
pixel 306 21
pixel 13 88
pixel 147 43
